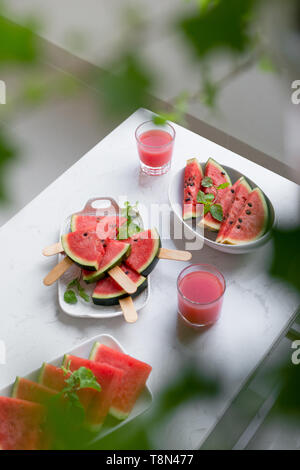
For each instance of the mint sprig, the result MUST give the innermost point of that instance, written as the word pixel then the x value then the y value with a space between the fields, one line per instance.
pixel 132 225
pixel 207 199
pixel 70 295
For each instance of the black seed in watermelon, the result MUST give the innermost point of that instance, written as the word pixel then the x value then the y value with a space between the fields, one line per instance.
pixel 115 252
pixel 145 248
pixel 84 248
pixel 253 225
pixel 108 292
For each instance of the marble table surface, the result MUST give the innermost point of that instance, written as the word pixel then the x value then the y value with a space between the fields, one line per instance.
pixel 257 309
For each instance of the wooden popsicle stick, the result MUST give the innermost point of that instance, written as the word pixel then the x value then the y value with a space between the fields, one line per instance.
pixel 175 255
pixel 53 249
pixel 122 279
pixel 58 271
pixel 128 309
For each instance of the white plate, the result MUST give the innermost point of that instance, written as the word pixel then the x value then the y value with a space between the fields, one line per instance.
pixel 84 309
pixel 83 350
pixel 175 199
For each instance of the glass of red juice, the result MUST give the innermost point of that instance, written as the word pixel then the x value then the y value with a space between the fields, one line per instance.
pixel 200 289
pixel 155 147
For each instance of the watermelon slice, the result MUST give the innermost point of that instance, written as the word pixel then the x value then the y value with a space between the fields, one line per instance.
pixel 84 222
pixel 21 425
pixel 84 248
pixel 31 391
pixel 145 248
pixel 108 292
pixel 108 227
pixel 134 379
pixel 224 197
pixel 192 181
pixel 108 377
pixel 241 191
pixel 115 252
pixel 251 222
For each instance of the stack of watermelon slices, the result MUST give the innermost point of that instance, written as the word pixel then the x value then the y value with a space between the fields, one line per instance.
pixel 245 211
pixel 91 244
pixel 24 418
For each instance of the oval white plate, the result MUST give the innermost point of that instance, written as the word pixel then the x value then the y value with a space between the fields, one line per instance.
pixel 175 199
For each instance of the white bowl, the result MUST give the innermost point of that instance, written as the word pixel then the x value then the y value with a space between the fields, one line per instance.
pixel 176 197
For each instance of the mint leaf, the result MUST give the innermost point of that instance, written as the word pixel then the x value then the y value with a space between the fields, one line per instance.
pixel 217 212
pixel 207 182
pixel 223 185
pixel 80 378
pixel 209 197
pixel 70 297
pixel 206 208
pixel 73 283
pixel 83 293
pixel 201 197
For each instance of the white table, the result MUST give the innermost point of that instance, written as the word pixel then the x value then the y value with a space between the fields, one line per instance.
pixel 256 310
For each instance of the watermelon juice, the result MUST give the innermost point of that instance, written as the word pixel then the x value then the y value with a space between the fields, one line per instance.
pixel 200 289
pixel 155 147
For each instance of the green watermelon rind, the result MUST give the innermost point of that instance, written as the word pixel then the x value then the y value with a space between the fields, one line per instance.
pixel 187 212
pixel 73 223
pixel 14 392
pixel 153 259
pixel 230 241
pixel 245 183
pixel 95 276
pixel 81 262
pixel 113 299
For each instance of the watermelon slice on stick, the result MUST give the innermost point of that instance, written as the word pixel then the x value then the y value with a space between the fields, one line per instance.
pixel 144 253
pixel 108 292
pixel 21 425
pixel 108 377
pixel 242 190
pixel 251 222
pixel 105 226
pixel 134 379
pixel 84 248
pixel 224 196
pixel 115 252
pixel 192 181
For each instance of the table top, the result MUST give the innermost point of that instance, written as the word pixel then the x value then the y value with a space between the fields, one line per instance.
pixel 256 308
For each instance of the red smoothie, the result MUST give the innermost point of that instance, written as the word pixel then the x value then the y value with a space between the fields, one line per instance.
pixel 200 295
pixel 155 147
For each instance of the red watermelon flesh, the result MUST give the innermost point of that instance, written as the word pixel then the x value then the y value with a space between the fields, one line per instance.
pixel 224 197
pixel 115 251
pixel 108 377
pixel 84 248
pixel 251 222
pixel 84 222
pixel 242 191
pixel 144 250
pixel 133 382
pixel 31 391
pixel 109 225
pixel 192 181
pixel 21 425
pixel 108 292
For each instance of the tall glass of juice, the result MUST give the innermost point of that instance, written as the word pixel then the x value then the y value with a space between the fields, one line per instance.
pixel 200 289
pixel 155 147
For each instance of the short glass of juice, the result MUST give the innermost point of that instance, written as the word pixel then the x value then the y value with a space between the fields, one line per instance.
pixel 155 147
pixel 200 289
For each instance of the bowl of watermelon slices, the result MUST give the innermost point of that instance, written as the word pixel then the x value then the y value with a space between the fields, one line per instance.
pixel 221 206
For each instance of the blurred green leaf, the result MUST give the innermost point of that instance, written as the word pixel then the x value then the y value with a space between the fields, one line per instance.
pixel 17 44
pixel 286 256
pixel 7 153
pixel 266 64
pixel 126 87
pixel 224 26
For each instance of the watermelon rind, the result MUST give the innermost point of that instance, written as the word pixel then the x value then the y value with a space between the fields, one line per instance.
pixel 94 276
pixel 233 241
pixel 113 299
pixel 81 262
